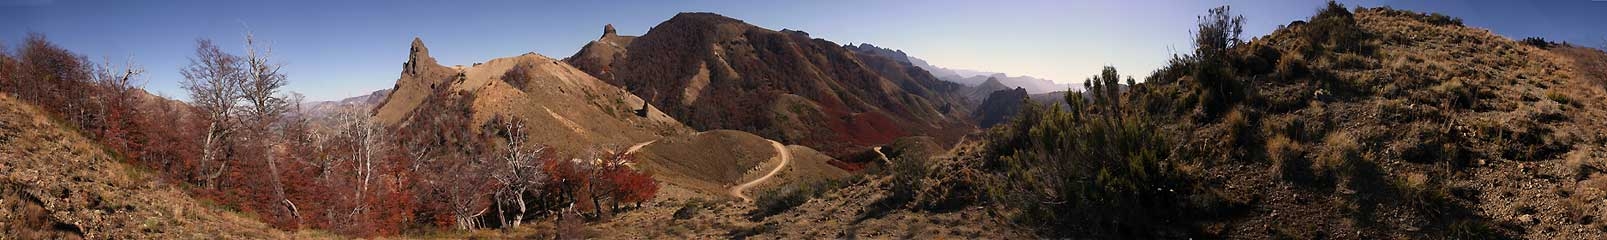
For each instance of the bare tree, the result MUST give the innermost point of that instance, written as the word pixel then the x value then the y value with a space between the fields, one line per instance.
pixel 214 79
pixel 265 107
pixel 118 104
pixel 368 143
pixel 520 171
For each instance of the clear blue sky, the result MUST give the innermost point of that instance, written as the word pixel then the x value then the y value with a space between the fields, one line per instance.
pixel 336 49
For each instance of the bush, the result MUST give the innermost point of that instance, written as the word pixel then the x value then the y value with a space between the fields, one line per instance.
pixel 1335 28
pixel 1218 31
pixel 688 209
pixel 909 172
pixel 1352 61
pixel 779 200
pixel 1292 66
pixel 1441 19
pixel 1340 156
pixel 1097 170
pixel 1537 42
pixel 1288 158
pixel 1238 127
pixel 1418 191
pixel 1558 97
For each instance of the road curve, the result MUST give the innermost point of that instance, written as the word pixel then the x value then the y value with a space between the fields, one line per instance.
pixel 786 159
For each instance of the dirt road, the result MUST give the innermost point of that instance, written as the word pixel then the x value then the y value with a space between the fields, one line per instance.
pixel 786 159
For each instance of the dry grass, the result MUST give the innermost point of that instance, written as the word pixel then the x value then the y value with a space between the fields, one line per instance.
pixel 1288 158
pixel 1339 156
pixel 75 190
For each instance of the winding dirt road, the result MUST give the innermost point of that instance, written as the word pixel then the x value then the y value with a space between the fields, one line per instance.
pixel 786 159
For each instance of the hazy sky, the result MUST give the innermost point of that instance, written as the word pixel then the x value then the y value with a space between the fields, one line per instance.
pixel 337 49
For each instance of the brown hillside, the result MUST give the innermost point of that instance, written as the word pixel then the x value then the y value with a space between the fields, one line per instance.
pixel 55 184
pixel 712 162
pixel 711 72
pixel 597 58
pixel 420 76
pixel 564 107
pixel 1418 128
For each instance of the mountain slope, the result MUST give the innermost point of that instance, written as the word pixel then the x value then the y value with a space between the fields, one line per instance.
pixel 55 184
pixel 597 57
pixel 1000 106
pixel 712 72
pixel 563 106
pixel 1385 124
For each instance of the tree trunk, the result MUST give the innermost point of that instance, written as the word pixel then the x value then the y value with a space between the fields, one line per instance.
pixel 517 219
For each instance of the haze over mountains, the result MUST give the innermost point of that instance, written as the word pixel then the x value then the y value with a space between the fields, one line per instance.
pixel 965 76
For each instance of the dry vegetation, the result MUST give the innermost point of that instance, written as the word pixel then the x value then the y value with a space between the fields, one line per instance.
pixel 56 184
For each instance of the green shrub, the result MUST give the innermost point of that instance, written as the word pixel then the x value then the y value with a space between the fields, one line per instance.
pixel 1099 172
pixel 1218 31
pixel 908 174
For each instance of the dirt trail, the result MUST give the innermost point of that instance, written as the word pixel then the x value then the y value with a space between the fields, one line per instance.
pixel 884 155
pixel 638 146
pixel 786 158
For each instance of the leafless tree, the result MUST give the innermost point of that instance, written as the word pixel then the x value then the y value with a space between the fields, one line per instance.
pixel 264 107
pixel 368 140
pixel 520 169
pixel 117 100
pixel 213 79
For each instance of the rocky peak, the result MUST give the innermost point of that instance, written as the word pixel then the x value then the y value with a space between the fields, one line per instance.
pixel 417 54
pixel 608 31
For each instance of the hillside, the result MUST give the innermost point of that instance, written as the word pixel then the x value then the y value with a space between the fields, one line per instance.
pixel 715 161
pixel 55 184
pixel 1000 106
pixel 1372 124
pixel 563 106
pixel 597 57
pixel 710 71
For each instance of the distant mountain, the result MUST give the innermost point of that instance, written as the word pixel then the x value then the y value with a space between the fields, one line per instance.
pixel 980 92
pixel 365 103
pixel 999 107
pixel 714 72
pixel 964 76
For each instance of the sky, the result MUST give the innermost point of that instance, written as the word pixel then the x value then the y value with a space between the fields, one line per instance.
pixel 338 49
